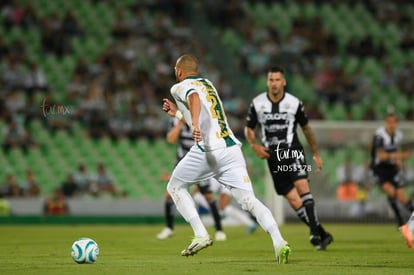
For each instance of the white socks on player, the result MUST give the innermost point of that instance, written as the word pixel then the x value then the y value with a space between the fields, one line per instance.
pixel 276 236
pixel 185 205
pixel 410 222
pixel 198 227
pixel 264 217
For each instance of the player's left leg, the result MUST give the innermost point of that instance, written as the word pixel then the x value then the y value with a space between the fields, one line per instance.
pixel 185 205
pixel 390 190
pixel 231 172
pixel 302 210
pixel 308 204
pixel 249 202
pixel 224 203
pixel 403 199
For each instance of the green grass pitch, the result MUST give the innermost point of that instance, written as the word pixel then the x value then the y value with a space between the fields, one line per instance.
pixel 133 249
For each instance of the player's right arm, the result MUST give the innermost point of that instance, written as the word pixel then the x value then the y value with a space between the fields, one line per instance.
pixel 194 106
pixel 169 107
pixel 258 149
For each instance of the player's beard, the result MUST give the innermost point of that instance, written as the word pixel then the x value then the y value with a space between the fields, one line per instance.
pixel 276 92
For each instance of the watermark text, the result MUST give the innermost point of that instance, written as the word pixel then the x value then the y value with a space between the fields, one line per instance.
pixel 284 154
pixel 301 168
pixel 54 109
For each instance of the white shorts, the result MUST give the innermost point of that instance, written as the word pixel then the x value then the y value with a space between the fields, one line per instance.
pixel 218 188
pixel 226 165
pixel 214 186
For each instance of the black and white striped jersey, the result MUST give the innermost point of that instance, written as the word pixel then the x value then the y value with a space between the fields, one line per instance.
pixel 185 140
pixel 278 121
pixel 390 144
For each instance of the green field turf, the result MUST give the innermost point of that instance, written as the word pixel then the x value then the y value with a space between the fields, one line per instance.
pixel 133 249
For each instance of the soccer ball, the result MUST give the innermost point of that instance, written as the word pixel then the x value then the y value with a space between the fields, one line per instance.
pixel 85 251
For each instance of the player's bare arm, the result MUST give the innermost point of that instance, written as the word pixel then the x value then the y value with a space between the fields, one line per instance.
pixel 259 150
pixel 395 156
pixel 174 133
pixel 194 105
pixel 169 107
pixel 310 137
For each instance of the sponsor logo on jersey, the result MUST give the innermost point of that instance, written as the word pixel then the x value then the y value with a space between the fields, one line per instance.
pixel 276 116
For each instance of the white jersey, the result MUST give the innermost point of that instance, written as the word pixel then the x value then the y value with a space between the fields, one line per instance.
pixel 214 127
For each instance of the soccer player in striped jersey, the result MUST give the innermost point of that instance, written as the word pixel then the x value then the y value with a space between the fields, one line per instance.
pixel 180 131
pixel 216 153
pixel 386 161
pixel 278 113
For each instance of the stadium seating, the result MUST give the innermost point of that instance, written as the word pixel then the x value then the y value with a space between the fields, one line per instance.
pixel 135 170
pixel 138 170
pixel 344 22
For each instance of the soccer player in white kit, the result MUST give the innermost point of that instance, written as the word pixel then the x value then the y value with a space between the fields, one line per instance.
pixel 216 153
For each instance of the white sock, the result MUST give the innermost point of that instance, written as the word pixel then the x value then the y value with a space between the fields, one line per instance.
pixel 276 236
pixel 198 227
pixel 264 217
pixel 239 215
pixel 185 206
pixel 267 222
pixel 410 222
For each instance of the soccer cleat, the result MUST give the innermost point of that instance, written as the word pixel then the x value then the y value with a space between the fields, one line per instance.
pixel 325 241
pixel 196 245
pixel 220 236
pixel 315 241
pixel 408 236
pixel 282 253
pixel 165 233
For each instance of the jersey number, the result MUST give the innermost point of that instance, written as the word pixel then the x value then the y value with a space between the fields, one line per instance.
pixel 217 115
pixel 213 111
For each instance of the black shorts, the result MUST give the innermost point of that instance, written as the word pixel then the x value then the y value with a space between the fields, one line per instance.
pixel 388 175
pixel 285 173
